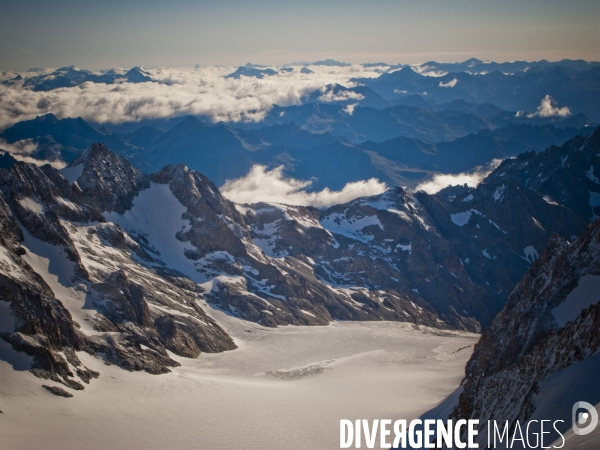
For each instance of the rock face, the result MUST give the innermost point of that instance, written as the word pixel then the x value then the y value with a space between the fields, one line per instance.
pixel 544 327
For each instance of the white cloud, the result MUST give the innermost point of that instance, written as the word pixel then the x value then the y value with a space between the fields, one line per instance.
pixel 260 185
pixel 472 179
pixel 427 71
pixel 340 96
pixel 548 108
pixel 40 162
pixel 21 150
pixel 449 84
pixel 349 109
pixel 24 147
pixel 177 92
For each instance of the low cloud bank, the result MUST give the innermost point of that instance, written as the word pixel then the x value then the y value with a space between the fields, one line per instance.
pixel 261 185
pixel 22 150
pixel 548 108
pixel 176 92
pixel 471 179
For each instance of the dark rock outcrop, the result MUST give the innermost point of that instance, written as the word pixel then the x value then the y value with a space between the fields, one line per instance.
pixel 531 339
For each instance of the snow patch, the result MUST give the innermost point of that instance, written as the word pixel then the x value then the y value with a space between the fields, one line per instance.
pixel 32 205
pixel 156 215
pixel 591 176
pixel 462 218
pixel 72 174
pixel 531 253
pixel 499 194
pixel 582 297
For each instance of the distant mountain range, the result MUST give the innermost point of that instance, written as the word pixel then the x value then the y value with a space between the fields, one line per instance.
pixel 512 86
pixel 224 152
pixel 519 91
pixel 71 76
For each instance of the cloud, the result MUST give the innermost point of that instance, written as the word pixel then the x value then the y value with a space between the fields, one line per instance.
pixel 177 92
pixel 23 147
pixel 449 84
pixel 548 108
pixel 349 109
pixel 260 185
pixel 427 71
pixel 340 96
pixel 472 179
pixel 21 151
pixel 40 162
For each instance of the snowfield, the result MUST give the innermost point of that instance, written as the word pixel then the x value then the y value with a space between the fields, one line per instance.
pixel 282 388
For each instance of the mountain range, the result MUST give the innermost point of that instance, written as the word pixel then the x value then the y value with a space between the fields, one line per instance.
pixel 102 258
pixel 224 152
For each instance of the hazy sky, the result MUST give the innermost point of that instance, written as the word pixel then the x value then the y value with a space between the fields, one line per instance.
pixel 103 34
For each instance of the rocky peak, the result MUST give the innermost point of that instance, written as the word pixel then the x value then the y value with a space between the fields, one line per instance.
pixel 215 222
pixel 195 191
pixel 543 328
pixel 107 181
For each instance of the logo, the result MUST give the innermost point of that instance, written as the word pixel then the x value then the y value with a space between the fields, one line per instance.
pixel 585 418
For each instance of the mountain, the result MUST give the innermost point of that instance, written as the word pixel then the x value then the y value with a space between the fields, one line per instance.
pixel 522 91
pixel 365 123
pixel 407 161
pixel 336 94
pixel 60 138
pixel 7 160
pixel 549 329
pixel 330 63
pixel 65 77
pixel 474 65
pixel 250 71
pixel 569 175
pixel 101 258
pixel 223 152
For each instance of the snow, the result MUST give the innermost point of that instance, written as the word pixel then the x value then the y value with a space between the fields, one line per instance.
pixel 582 297
pixel 69 204
pixel 594 201
pixel 557 395
pixel 350 227
pixel 308 313
pixel 156 214
pixel 7 323
pixel 31 204
pixel 462 218
pixel 402 214
pixel 282 388
pixel 531 253
pixel 485 253
pixel 591 176
pixel 52 264
pixel 72 173
pixel 405 248
pixel 499 193
pixel 468 198
pixel 550 201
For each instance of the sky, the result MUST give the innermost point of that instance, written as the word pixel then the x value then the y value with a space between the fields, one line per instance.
pixel 99 35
